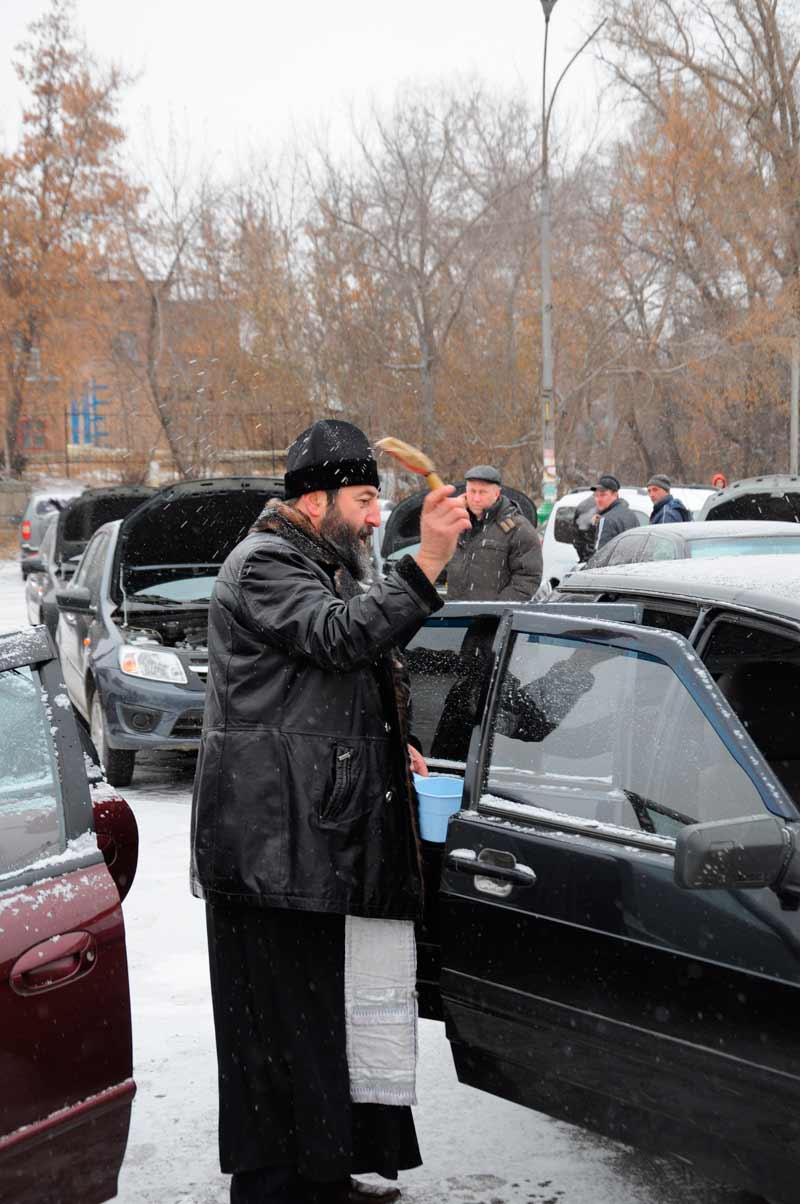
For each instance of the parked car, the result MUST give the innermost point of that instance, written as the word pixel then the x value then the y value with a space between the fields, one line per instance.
pixel 66 862
pixel 774 497
pixel 67 533
pixel 42 503
pixel 558 552
pixel 698 541
pixel 612 931
pixel 133 621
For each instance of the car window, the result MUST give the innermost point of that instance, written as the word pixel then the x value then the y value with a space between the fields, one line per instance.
pixel 758 670
pixel 661 548
pixel 30 810
pixel 182 589
pixel 447 661
pixel 756 545
pixel 48 542
pixel 90 570
pixel 609 735
pixel 626 549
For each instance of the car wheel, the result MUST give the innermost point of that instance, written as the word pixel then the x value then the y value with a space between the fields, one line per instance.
pixel 117 763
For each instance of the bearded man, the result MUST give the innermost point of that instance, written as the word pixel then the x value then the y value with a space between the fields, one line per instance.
pixel 304 832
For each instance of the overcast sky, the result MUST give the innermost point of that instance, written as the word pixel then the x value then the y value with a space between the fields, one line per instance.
pixel 244 76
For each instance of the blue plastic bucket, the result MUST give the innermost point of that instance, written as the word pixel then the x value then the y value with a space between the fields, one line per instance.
pixel 439 798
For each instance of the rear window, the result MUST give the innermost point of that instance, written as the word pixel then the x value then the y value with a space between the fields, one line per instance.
pixel 30 811
pixel 757 545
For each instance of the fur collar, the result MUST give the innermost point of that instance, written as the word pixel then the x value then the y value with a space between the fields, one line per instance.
pixel 279 519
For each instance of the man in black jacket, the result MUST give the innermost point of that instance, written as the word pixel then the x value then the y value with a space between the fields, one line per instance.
pixel 303 819
pixel 500 556
pixel 613 512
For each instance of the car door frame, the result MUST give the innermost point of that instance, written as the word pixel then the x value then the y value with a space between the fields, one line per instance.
pixel 72 895
pixel 484 1023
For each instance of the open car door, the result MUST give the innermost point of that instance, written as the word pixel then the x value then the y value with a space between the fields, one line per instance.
pixel 576 977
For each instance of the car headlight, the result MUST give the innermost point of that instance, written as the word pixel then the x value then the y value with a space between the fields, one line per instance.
pixel 152 663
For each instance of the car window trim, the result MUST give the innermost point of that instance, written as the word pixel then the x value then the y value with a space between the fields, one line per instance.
pixel 76 812
pixel 526 813
pixel 673 650
pixel 75 792
pixel 743 618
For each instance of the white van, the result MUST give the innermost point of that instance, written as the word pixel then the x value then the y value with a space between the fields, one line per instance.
pixel 558 553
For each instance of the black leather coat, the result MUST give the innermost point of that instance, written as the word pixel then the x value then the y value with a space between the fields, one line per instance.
pixel 302 797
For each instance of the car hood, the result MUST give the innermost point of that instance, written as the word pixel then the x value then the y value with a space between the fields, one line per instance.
pixel 79 520
pixel 402 525
pixel 190 525
pixel 775 497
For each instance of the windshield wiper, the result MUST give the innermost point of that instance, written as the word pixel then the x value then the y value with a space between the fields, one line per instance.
pixel 155 598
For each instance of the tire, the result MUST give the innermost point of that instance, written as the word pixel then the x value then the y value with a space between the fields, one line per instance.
pixel 117 763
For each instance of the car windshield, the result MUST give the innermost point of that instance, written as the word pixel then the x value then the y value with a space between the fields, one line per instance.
pixel 183 589
pixel 741 545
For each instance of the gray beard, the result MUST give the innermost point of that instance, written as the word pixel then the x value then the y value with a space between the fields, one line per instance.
pixel 351 547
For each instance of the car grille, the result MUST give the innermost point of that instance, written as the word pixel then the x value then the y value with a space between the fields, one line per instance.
pixel 188 726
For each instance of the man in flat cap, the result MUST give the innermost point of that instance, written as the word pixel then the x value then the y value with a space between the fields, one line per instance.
pixel 304 833
pixel 613 512
pixel 500 556
pixel 666 508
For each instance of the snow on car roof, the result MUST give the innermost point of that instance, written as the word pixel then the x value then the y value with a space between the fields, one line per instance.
pixel 765 583
pixel 728 528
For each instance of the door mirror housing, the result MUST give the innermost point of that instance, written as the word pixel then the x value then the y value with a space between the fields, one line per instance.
pixel 76 600
pixel 32 564
pixel 564 526
pixel 747 853
pixel 118 839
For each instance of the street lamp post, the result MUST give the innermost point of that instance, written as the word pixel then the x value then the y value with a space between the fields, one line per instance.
pixel 549 471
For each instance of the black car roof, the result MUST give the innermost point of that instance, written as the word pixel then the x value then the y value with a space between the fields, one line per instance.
pixel 725 528
pixel 767 584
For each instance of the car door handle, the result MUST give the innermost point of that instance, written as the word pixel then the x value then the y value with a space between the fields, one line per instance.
pixel 54 962
pixel 491 863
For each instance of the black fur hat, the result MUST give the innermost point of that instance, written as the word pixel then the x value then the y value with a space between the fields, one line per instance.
pixel 328 455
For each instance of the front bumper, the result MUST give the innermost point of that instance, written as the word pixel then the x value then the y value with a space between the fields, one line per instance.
pixel 150 714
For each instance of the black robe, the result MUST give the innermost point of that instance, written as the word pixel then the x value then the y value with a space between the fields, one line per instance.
pixel 277 984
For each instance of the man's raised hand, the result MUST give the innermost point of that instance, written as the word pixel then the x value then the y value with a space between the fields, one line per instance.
pixel 443 519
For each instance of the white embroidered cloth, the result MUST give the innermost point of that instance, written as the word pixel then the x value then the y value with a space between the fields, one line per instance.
pixel 380 972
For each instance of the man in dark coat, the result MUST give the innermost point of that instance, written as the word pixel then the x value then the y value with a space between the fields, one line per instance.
pixel 304 819
pixel 613 512
pixel 666 508
pixel 500 556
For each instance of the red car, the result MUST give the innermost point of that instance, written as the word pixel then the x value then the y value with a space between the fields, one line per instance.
pixel 66 862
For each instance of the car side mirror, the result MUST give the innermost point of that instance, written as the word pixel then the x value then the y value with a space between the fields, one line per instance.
pixel 747 853
pixel 564 527
pixel 32 564
pixel 118 839
pixel 76 600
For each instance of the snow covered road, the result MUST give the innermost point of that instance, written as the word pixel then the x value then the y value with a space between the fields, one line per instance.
pixel 476 1149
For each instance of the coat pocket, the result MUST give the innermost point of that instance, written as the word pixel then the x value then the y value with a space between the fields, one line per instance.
pixel 333 807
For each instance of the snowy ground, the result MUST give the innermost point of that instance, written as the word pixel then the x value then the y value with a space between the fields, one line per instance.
pixel 476 1149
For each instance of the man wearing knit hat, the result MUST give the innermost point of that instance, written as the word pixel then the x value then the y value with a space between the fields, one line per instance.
pixel 666 508
pixel 304 832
